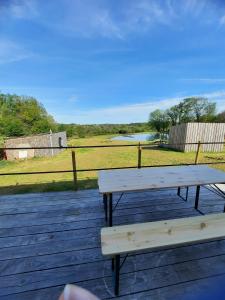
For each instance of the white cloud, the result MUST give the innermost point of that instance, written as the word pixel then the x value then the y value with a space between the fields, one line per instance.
pixel 144 14
pixel 83 18
pixel 118 114
pixel 205 80
pixel 12 52
pixel 194 6
pixel 89 18
pixel 222 20
pixel 138 112
pixel 73 99
pixel 21 9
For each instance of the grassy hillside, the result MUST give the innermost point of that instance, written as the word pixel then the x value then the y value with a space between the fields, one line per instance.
pixel 87 158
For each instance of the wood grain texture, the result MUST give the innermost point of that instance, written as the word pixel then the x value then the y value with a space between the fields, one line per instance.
pixel 156 235
pixel 194 132
pixel 157 178
pixel 44 244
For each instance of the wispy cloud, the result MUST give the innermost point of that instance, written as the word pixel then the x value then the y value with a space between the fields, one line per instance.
pixel 88 18
pixel 19 9
pixel 222 20
pixel 204 80
pixel 84 18
pixel 73 99
pixel 129 113
pixel 12 52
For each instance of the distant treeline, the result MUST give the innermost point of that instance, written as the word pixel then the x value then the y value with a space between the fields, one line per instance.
pixel 90 130
pixel 20 115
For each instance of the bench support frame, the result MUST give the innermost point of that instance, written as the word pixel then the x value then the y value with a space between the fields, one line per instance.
pixel 197 196
pixel 186 195
pixel 108 201
pixel 116 273
pixel 108 207
pixel 105 203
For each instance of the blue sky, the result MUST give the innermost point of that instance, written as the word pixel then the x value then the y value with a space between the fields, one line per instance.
pixel 112 61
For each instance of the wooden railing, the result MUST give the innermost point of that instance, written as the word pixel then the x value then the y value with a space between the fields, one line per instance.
pixel 140 148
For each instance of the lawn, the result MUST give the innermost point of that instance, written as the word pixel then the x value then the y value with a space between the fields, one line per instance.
pixel 88 158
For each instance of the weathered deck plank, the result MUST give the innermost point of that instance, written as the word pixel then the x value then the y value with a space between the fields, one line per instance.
pixel 42 235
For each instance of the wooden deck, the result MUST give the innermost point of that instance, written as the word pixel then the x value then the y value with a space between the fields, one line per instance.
pixel 50 239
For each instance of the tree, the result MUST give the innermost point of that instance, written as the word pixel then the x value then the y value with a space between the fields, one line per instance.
pixel 220 118
pixel 20 115
pixel 194 109
pixel 12 127
pixel 199 109
pixel 159 121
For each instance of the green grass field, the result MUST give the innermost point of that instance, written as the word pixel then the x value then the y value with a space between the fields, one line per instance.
pixel 88 158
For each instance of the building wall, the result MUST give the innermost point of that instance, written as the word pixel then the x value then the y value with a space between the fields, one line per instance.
pixel 195 132
pixel 177 136
pixel 35 141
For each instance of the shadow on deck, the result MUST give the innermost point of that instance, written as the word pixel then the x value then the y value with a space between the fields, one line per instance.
pixel 50 239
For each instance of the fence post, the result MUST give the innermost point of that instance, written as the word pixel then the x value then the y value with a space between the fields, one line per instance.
pixel 139 156
pixel 197 153
pixel 74 169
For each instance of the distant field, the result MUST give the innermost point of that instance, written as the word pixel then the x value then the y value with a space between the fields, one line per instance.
pixel 88 158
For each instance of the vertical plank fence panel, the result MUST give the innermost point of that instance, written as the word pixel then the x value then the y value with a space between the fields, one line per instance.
pixel 192 132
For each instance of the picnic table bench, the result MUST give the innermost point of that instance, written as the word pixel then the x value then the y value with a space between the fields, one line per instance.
pixel 128 180
pixel 126 239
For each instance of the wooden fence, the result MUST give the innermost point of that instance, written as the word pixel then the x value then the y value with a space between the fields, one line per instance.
pixel 140 147
pixel 184 136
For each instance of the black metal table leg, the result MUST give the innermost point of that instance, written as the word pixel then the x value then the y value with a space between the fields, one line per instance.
pixel 110 210
pixel 187 190
pixel 105 206
pixel 116 262
pixel 197 196
pixel 178 191
pixel 112 264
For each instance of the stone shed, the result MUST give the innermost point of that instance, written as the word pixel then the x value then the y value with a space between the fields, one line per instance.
pixel 45 140
pixel 194 132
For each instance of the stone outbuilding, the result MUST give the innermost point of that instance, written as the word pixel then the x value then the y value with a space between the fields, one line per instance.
pixel 58 139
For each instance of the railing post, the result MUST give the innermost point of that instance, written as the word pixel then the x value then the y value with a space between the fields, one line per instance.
pixel 197 153
pixel 139 156
pixel 74 169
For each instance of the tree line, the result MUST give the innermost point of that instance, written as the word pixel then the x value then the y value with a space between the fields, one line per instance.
pixel 76 130
pixel 21 115
pixel 193 109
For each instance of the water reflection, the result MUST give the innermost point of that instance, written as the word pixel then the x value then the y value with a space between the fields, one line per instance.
pixel 140 137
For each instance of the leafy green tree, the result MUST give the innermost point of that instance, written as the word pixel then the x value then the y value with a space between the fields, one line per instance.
pixel 159 121
pixel 200 109
pixel 13 127
pixel 20 115
pixel 194 109
pixel 221 117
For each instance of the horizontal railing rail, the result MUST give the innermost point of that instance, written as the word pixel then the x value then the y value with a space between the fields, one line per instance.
pixel 103 169
pixel 110 146
pixel 141 146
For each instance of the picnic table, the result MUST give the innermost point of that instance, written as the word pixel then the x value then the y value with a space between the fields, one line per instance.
pixel 128 180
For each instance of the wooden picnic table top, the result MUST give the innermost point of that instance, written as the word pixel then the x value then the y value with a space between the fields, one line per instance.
pixel 124 180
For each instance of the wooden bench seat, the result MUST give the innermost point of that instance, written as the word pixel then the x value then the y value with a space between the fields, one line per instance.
pixel 155 235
